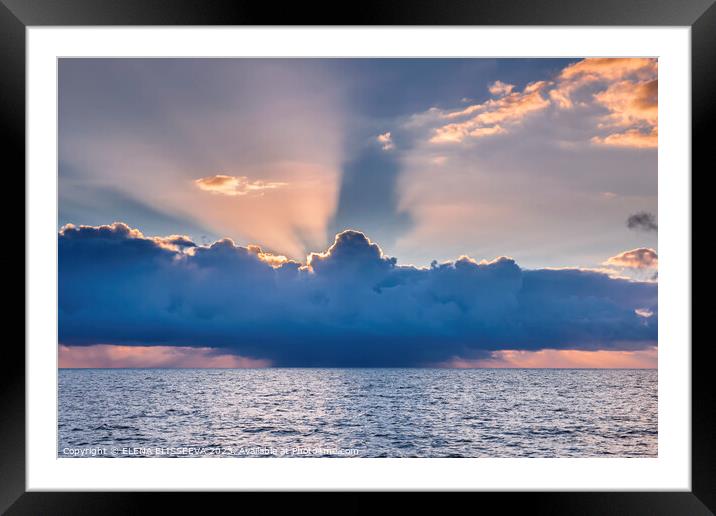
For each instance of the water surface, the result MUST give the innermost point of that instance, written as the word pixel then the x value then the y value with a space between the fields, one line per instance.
pixel 358 412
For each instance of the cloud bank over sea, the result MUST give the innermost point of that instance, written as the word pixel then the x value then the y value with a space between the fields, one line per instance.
pixel 350 305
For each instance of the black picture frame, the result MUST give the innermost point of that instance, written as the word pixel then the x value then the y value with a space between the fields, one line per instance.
pixel 16 15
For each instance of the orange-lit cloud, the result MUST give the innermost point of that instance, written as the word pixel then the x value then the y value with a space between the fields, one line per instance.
pixel 609 68
pixel 562 359
pixel 479 132
pixel 626 87
pixel 274 260
pixel 386 141
pixel 633 138
pixel 641 258
pixel 500 88
pixel 235 185
pixel 116 356
pixel 491 117
pixel 174 242
pixel 631 102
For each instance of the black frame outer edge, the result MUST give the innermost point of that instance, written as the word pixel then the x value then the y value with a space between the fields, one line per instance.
pixel 15 15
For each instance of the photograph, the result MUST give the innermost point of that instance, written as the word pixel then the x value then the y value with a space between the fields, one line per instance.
pixel 359 257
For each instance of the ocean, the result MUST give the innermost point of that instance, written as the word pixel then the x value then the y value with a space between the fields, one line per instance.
pixel 348 413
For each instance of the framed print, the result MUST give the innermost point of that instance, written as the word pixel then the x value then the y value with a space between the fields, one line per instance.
pixel 422 249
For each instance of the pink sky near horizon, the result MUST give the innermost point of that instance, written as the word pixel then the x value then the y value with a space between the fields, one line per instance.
pixel 118 356
pixel 562 359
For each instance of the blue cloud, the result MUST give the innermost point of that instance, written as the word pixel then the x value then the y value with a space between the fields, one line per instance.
pixel 349 306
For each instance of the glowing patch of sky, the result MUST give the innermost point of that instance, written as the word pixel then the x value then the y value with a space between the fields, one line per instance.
pixel 328 144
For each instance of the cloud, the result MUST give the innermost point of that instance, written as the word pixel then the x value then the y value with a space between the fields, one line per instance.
pixel 175 242
pixel 386 141
pixel 595 73
pixel 609 68
pixel 634 107
pixel 641 258
pixel 235 185
pixel 274 260
pixel 499 88
pixel 625 90
pixel 633 138
pixel 490 117
pixel 643 312
pixel 631 103
pixel 350 305
pixel 626 87
pixel 642 220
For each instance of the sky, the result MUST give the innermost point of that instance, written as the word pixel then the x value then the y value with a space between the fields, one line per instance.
pixel 358 212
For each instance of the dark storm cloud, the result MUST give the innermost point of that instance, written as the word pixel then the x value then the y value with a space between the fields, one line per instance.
pixel 643 221
pixel 351 306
